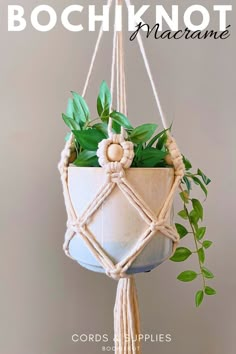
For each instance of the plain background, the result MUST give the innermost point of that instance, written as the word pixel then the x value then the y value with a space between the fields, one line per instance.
pixel 45 297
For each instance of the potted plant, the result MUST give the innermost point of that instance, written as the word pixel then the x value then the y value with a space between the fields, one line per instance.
pixel 115 226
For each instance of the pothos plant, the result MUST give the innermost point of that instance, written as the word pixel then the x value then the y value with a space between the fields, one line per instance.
pixel 150 151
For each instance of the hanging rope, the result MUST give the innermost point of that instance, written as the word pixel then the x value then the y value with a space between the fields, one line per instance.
pixel 148 69
pixel 126 312
pixel 96 48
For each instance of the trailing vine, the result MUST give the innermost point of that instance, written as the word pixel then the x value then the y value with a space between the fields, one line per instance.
pixel 193 214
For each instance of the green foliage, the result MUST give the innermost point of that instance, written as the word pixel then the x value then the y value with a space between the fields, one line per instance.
pixel 193 214
pixel 183 214
pixel 158 137
pixel 121 120
pixel 87 159
pixel 200 233
pixel 104 102
pixel 88 139
pixel 162 141
pixel 150 157
pixel 181 254
pixel 188 275
pixel 101 127
pixel 70 109
pixel 198 182
pixel 201 255
pixel 187 183
pixel 143 133
pixel 81 110
pixel 199 297
pixel 182 231
pixel 205 179
pixel 150 150
pixel 207 273
pixel 209 291
pixel 184 195
pixel 67 137
pixel 77 113
pixel 70 122
pixel 197 207
pixel 206 244
pixel 187 163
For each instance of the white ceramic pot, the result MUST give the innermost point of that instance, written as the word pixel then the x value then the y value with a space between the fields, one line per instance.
pixel 117 225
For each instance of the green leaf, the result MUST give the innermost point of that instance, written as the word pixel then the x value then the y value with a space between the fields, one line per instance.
pixel 197 206
pixel 194 218
pixel 138 150
pixel 206 244
pixel 162 141
pixel 89 139
pixel 205 179
pixel 184 196
pixel 201 255
pixel 182 231
pixel 187 183
pixel 187 163
pixel 181 254
pixel 67 137
pixel 104 102
pixel 156 137
pixel 150 157
pixel 137 153
pixel 142 133
pixel 70 108
pixel 183 214
pixel 87 159
pixel 187 276
pixel 199 297
pixel 102 127
pixel 71 123
pixel 198 182
pixel 80 107
pixel 121 119
pixel 207 273
pixel 200 233
pixel 209 291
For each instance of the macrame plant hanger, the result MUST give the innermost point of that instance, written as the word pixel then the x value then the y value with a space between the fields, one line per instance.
pixel 126 311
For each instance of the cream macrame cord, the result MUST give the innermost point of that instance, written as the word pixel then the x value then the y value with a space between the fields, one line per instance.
pixel 126 313
pixel 115 172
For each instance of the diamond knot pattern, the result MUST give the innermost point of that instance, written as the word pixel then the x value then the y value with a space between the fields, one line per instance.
pixel 154 224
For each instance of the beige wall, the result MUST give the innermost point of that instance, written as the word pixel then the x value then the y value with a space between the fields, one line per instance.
pixel 45 297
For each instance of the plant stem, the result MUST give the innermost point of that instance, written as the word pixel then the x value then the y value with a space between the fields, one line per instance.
pixel 195 240
pixel 88 124
pixel 196 244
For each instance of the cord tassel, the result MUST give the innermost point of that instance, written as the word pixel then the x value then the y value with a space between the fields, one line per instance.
pixel 126 318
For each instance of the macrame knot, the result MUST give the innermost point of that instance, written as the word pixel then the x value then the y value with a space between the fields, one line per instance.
pixel 116 138
pixel 171 232
pixel 115 149
pixel 176 156
pixel 65 157
pixel 114 172
pixel 176 235
pixel 75 225
pixel 117 273
pixel 157 225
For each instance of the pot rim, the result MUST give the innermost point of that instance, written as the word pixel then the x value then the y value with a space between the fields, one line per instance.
pixel 130 168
